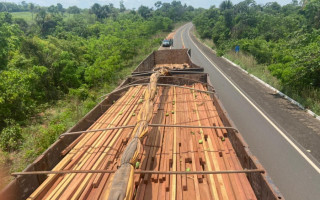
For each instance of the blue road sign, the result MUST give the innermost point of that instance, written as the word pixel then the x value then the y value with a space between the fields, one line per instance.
pixel 237 49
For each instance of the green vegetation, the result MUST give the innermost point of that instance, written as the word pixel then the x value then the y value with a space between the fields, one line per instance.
pixel 249 63
pixel 56 62
pixel 27 16
pixel 279 44
pixel 10 137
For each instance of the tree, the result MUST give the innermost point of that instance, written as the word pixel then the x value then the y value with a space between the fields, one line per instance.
pixel 31 8
pixel 60 8
pixel 24 5
pixel 122 7
pixel 158 4
pixel 176 10
pixel 47 22
pixel 272 8
pixel 40 18
pixel 312 13
pixel 2 7
pixel 295 2
pixel 5 18
pixel 96 10
pixel 244 6
pixel 106 11
pixel 16 96
pixel 228 18
pixel 52 9
pixel 145 12
pixel 227 4
pixel 73 10
pixel 9 39
pixel 22 24
pixel 205 21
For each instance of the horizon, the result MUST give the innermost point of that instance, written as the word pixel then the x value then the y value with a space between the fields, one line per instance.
pixel 83 4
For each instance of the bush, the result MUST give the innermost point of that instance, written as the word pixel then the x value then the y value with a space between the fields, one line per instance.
pixel 10 137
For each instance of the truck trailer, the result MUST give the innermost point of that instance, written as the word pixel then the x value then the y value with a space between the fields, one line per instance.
pixel 161 134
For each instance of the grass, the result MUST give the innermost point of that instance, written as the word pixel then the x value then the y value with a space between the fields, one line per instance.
pixel 44 129
pixel 27 16
pixel 309 97
pixel 206 41
pixel 248 63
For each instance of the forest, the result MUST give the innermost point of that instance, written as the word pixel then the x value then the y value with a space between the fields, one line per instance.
pixel 54 67
pixel 283 41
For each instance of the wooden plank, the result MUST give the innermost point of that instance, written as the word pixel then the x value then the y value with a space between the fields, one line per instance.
pixel 202 182
pixel 183 144
pixel 216 145
pixel 191 191
pixel 157 164
pixel 195 177
pixel 174 156
pixel 235 190
pixel 207 158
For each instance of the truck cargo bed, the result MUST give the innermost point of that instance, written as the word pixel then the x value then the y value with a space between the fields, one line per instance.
pixel 209 143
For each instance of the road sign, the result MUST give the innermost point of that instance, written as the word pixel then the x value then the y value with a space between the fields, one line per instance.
pixel 237 49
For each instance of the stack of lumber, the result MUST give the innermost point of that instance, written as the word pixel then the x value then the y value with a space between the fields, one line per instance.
pixel 172 66
pixel 96 150
pixel 190 149
pixel 163 149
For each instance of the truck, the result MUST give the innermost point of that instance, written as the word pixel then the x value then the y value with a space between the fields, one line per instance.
pixel 161 134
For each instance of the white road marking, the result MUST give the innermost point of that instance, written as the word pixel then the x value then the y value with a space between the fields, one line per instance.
pixel 263 115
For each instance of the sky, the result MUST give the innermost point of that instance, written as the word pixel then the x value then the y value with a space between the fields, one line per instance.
pixel 136 3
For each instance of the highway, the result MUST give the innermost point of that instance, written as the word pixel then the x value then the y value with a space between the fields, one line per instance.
pixel 284 138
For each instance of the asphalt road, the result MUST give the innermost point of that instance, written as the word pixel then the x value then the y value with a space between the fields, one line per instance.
pixel 284 138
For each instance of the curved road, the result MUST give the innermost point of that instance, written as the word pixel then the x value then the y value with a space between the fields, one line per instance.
pixel 277 132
